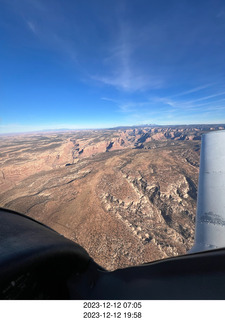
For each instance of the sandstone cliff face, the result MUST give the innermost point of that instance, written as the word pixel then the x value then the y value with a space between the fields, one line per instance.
pixel 91 143
pixel 120 212
pixel 155 201
pixel 127 198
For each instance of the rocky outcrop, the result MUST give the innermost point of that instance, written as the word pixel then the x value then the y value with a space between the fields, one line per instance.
pixel 128 196
pixel 141 138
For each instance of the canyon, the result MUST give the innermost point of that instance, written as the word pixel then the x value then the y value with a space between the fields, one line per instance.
pixel 127 194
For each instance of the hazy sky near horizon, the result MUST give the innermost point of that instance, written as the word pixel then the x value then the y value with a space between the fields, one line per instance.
pixel 104 63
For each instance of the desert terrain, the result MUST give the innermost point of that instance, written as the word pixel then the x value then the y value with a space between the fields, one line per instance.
pixel 127 195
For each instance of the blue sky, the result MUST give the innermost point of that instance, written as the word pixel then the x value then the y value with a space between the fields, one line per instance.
pixel 103 63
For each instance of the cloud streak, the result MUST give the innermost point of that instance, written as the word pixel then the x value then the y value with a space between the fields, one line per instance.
pixel 122 70
pixel 196 89
pixel 190 104
pixel 47 25
pixel 164 110
pixel 128 80
pixel 32 27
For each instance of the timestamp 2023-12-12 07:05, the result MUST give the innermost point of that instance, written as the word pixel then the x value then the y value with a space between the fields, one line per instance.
pixel 112 310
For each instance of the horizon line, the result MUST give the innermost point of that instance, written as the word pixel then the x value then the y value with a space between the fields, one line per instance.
pixel 107 128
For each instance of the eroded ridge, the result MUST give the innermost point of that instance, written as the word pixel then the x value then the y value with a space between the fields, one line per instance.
pixel 127 195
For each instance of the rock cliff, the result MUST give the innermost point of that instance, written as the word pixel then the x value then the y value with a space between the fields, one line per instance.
pixel 127 196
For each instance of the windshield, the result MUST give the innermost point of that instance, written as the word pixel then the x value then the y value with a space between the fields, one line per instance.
pixel 103 105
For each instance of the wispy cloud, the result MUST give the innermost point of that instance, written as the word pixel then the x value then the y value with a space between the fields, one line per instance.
pixel 129 106
pixel 132 107
pixel 32 27
pixel 47 25
pixel 151 108
pixel 128 80
pixel 109 99
pixel 221 13
pixel 196 89
pixel 189 104
pixel 122 71
pixel 206 97
pixel 118 65
pixel 166 101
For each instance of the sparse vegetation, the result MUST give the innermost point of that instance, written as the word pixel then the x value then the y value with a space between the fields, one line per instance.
pixel 132 204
